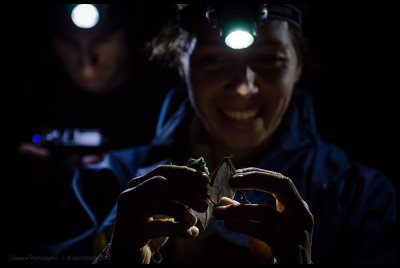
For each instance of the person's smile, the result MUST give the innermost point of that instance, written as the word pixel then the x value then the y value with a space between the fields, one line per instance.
pixel 241 118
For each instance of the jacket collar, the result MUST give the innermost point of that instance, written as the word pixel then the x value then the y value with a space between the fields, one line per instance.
pixel 297 128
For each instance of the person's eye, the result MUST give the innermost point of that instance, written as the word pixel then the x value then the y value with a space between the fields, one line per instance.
pixel 105 38
pixel 271 59
pixel 67 40
pixel 211 60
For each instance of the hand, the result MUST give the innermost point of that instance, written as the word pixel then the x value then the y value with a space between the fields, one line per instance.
pixel 32 150
pixel 92 158
pixel 287 230
pixel 154 207
pixel 36 152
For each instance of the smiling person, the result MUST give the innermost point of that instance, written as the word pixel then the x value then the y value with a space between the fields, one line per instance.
pixel 308 202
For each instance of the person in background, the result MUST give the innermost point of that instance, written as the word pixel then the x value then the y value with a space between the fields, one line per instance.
pixel 309 203
pixel 85 77
pixel 90 77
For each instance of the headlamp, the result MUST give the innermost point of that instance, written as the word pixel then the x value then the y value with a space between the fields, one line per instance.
pixel 237 23
pixel 105 18
pixel 85 16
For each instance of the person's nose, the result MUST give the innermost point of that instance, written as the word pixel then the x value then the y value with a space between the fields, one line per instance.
pixel 88 62
pixel 246 86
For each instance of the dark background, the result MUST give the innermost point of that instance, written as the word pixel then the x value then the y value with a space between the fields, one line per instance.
pixel 349 72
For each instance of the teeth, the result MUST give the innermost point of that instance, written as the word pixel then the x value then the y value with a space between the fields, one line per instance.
pixel 245 115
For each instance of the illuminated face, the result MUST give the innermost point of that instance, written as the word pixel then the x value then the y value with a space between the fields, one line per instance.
pixel 96 61
pixel 240 96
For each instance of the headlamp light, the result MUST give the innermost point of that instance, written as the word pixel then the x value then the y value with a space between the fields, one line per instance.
pixel 239 38
pixel 85 16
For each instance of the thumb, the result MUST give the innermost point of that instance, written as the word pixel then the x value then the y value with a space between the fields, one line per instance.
pixel 225 201
pixel 260 250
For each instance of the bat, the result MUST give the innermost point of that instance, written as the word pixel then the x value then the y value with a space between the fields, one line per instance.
pixel 219 186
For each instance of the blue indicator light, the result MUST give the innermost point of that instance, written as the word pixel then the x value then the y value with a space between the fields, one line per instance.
pixel 36 138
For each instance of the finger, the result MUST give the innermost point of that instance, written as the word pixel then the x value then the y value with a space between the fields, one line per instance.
pixel 275 183
pixel 170 208
pixel 31 149
pixel 249 169
pixel 156 243
pixel 265 214
pixel 261 251
pixel 175 174
pixel 159 188
pixel 91 159
pixel 283 249
pixel 254 229
pixel 224 201
pixel 182 194
pixel 159 228
pixel 182 175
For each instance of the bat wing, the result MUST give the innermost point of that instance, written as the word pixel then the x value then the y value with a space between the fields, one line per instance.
pixel 220 181
pixel 219 188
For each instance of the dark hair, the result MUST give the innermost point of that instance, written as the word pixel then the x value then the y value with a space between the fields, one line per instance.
pixel 299 42
pixel 165 48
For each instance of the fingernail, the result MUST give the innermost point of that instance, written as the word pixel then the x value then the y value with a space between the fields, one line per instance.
pixel 235 178
pixel 193 231
pixel 192 169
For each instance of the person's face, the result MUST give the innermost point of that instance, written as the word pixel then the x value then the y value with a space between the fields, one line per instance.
pixel 241 95
pixel 96 61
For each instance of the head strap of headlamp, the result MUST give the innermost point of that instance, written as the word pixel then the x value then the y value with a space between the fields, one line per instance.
pixel 189 16
pixel 286 12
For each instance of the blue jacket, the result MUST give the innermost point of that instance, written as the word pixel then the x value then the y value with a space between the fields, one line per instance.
pixel 353 205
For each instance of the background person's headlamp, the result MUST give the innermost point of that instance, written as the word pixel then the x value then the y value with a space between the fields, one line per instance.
pixel 237 23
pixel 60 18
pixel 85 16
